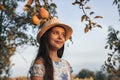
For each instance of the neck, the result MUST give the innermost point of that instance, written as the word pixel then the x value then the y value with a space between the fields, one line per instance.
pixel 53 55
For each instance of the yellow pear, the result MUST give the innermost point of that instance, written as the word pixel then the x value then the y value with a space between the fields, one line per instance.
pixel 43 13
pixel 2 7
pixel 35 20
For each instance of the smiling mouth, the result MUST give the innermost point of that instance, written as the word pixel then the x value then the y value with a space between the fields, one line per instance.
pixel 59 42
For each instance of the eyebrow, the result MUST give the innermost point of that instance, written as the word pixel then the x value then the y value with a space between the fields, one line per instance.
pixel 58 30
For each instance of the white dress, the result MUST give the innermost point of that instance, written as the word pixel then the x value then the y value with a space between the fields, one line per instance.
pixel 62 70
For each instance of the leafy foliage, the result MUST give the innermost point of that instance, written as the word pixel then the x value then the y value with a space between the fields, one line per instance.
pixel 88 18
pixel 34 9
pixel 85 73
pixel 112 64
pixel 100 75
pixel 51 7
pixel 117 2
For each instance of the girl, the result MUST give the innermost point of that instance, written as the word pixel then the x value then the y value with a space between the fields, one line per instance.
pixel 48 64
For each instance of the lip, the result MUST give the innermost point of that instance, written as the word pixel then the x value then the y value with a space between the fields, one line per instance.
pixel 59 42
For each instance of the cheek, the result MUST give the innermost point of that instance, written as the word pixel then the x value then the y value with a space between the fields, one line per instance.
pixel 64 39
pixel 51 37
pixel 51 40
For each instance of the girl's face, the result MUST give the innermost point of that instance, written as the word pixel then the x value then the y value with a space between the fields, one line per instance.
pixel 57 37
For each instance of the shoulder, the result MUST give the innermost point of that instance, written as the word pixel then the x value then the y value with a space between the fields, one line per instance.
pixel 39 61
pixel 38 64
pixel 68 64
pixel 65 61
pixel 37 69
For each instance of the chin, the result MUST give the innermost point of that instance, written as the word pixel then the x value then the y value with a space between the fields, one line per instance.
pixel 58 47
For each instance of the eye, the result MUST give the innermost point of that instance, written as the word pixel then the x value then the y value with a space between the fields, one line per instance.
pixel 55 32
pixel 63 34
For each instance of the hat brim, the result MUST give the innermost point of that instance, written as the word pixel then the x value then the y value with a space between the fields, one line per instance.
pixel 67 28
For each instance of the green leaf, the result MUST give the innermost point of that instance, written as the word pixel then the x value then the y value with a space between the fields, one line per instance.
pixel 91 13
pixel 114 63
pixel 53 5
pixel 99 26
pixel 115 2
pixel 109 59
pixel 45 1
pixel 106 46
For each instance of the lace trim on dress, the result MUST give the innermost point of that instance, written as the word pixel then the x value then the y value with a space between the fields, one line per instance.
pixel 37 70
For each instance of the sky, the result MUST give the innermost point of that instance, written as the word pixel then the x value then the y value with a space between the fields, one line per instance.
pixel 87 50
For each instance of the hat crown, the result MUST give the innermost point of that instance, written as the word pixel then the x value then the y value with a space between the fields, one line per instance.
pixel 51 21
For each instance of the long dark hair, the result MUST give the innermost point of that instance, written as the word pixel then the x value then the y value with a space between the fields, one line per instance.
pixel 43 52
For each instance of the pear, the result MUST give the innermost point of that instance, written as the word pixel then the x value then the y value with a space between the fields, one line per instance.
pixel 43 13
pixel 35 20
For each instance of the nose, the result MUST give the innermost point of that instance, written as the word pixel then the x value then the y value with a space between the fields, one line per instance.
pixel 60 36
